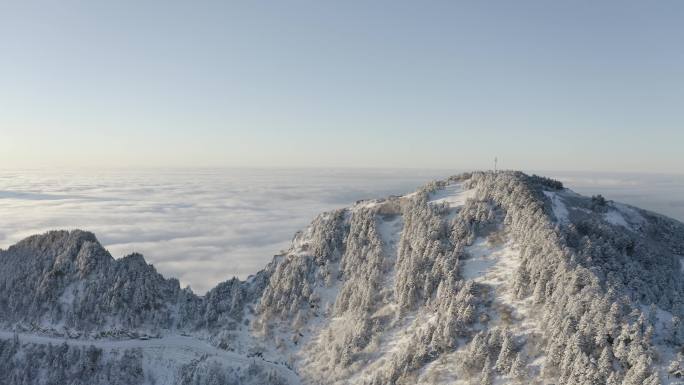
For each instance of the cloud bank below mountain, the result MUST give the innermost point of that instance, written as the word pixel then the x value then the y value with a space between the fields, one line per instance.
pixel 204 226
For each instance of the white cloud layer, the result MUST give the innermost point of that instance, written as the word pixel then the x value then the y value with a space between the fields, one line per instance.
pixel 201 226
pixel 205 226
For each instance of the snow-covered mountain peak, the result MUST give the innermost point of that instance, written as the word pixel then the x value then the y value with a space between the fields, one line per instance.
pixel 480 278
pixel 60 242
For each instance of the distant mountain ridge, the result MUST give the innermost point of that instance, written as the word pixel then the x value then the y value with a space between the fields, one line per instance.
pixel 485 277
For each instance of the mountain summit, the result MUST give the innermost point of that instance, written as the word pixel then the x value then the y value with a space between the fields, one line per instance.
pixel 482 278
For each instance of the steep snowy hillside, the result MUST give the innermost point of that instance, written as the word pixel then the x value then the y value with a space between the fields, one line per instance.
pixel 481 278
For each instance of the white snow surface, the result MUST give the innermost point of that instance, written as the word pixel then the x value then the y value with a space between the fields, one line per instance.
pixel 616 218
pixel 485 256
pixel 493 262
pixel 161 356
pixel 666 350
pixel 453 194
pixel 390 233
pixel 560 211
pixel 625 216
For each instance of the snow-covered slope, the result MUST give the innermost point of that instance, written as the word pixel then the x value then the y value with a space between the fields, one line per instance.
pixel 481 278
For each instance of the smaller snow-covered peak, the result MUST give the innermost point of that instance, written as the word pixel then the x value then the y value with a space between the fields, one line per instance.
pixel 58 239
pixel 135 260
pixel 61 249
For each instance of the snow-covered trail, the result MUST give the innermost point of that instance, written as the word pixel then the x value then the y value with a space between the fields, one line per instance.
pixel 492 261
pixel 170 342
pixel 452 194
pixel 184 346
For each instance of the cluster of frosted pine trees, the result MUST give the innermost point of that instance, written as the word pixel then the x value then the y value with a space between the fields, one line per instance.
pixel 588 280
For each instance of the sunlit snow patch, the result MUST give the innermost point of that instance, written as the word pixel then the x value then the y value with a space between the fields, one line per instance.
pixel 625 216
pixel 492 262
pixel 558 207
pixel 616 218
pixel 452 194
pixel 662 333
pixel 484 257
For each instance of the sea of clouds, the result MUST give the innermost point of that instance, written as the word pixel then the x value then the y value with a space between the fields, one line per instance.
pixel 204 226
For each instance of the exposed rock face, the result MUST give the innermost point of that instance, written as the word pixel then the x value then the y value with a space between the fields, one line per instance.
pixel 479 278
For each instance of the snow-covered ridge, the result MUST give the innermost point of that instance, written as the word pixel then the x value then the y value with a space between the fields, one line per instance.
pixel 471 279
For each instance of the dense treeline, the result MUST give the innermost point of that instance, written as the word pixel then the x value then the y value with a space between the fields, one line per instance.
pixel 589 280
pixel 34 364
pixel 68 279
pixel 591 334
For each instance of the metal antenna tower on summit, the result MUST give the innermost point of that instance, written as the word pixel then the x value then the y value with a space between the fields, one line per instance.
pixel 496 160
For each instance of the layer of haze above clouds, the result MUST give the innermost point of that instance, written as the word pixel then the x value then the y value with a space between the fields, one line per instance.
pixel 204 226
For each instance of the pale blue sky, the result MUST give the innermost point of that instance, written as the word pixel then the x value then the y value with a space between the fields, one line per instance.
pixel 556 85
